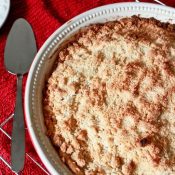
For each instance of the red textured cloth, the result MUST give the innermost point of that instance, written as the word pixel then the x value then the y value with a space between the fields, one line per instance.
pixel 45 16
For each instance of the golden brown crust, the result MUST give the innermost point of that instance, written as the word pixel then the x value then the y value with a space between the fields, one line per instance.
pixel 109 105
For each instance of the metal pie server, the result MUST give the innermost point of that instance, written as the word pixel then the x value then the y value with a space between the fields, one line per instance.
pixel 19 53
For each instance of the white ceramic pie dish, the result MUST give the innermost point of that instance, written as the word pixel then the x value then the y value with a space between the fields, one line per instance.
pixel 45 58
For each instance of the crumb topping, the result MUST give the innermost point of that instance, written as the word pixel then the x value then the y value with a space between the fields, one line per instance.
pixel 109 105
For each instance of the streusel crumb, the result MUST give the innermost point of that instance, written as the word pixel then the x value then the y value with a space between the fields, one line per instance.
pixel 109 105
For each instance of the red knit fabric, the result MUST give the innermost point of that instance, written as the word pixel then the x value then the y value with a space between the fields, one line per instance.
pixel 45 16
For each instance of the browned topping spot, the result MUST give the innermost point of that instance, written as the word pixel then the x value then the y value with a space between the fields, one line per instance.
pixel 82 135
pixel 144 142
pixel 129 168
pixel 118 161
pixel 71 123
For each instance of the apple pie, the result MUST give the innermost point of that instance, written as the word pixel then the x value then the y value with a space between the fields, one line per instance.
pixel 109 104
